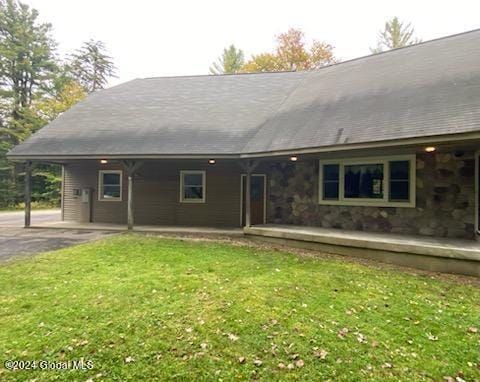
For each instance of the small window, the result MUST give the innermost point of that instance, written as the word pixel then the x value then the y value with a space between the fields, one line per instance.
pixel 110 185
pixel 331 178
pixel 364 181
pixel 192 186
pixel 399 181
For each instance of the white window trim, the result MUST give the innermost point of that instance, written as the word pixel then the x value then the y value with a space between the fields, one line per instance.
pixel 100 185
pixel 384 202
pixel 204 186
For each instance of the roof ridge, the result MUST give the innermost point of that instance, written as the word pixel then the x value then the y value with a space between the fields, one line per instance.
pixel 321 67
pixel 400 48
pixel 220 75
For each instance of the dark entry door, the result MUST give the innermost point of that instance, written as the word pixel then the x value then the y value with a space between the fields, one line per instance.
pixel 257 199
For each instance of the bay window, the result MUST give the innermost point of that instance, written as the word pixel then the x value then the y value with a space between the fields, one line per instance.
pixel 385 181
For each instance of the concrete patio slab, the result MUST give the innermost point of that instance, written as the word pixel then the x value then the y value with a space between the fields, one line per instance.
pixel 434 254
pixel 234 231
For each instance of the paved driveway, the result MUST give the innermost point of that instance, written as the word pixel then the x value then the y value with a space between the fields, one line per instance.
pixel 16 241
pixel 16 218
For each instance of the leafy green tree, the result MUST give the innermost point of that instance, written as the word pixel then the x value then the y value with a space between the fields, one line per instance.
pixel 27 69
pixel 46 180
pixel 292 53
pixel 91 66
pixel 396 34
pixel 229 62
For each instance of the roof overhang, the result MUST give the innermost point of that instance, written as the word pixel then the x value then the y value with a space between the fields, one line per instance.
pixel 447 139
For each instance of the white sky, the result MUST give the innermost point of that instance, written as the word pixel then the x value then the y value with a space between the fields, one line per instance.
pixel 181 37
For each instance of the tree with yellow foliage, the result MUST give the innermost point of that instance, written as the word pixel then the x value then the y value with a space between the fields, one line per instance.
pixel 292 54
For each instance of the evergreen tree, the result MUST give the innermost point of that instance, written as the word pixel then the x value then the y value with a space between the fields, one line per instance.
pixel 27 68
pixel 91 66
pixel 395 35
pixel 230 62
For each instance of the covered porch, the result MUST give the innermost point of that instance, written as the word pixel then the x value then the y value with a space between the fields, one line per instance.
pixel 143 194
pixel 459 256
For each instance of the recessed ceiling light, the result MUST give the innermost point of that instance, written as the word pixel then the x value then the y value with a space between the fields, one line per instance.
pixel 294 158
pixel 104 161
pixel 430 149
pixel 211 161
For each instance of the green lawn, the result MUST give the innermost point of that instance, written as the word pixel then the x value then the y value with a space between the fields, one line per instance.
pixel 146 308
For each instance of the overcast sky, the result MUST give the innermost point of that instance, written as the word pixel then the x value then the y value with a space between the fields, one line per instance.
pixel 179 37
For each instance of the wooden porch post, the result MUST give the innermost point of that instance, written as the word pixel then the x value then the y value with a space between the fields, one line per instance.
pixel 131 167
pixel 249 166
pixel 248 182
pixel 28 192
pixel 130 202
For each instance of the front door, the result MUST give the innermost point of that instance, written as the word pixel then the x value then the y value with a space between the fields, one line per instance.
pixel 257 199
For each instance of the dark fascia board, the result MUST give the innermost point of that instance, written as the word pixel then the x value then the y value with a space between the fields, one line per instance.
pixel 427 140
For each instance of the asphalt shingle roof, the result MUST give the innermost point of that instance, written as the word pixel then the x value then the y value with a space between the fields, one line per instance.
pixel 428 89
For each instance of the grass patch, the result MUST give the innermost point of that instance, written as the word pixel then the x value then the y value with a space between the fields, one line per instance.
pixel 147 308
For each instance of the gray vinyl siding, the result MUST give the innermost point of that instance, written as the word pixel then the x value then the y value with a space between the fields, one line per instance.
pixel 157 194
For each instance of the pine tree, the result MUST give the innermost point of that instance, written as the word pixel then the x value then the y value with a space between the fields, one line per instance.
pixel 27 69
pixel 91 66
pixel 229 62
pixel 395 35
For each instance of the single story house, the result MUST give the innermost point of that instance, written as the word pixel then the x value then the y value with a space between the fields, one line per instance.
pixel 383 143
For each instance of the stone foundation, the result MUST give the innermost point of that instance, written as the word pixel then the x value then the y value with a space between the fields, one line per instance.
pixel 445 200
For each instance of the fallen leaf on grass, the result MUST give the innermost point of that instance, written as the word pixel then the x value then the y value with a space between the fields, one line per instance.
pixel 472 329
pixel 431 337
pixel 299 363
pixel 281 365
pixel 241 359
pixel 387 365
pixel 257 362
pixel 203 345
pixel 129 359
pixel 361 338
pixel 232 337
pixel 322 354
pixel 343 333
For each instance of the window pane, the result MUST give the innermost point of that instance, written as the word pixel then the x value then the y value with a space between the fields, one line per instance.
pixel 193 192
pixel 256 188
pixel 330 172
pixel 111 179
pixel 192 179
pixel 399 170
pixel 110 192
pixel 364 181
pixel 330 191
pixel 399 191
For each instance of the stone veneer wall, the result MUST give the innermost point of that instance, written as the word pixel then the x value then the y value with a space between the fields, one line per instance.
pixel 445 205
